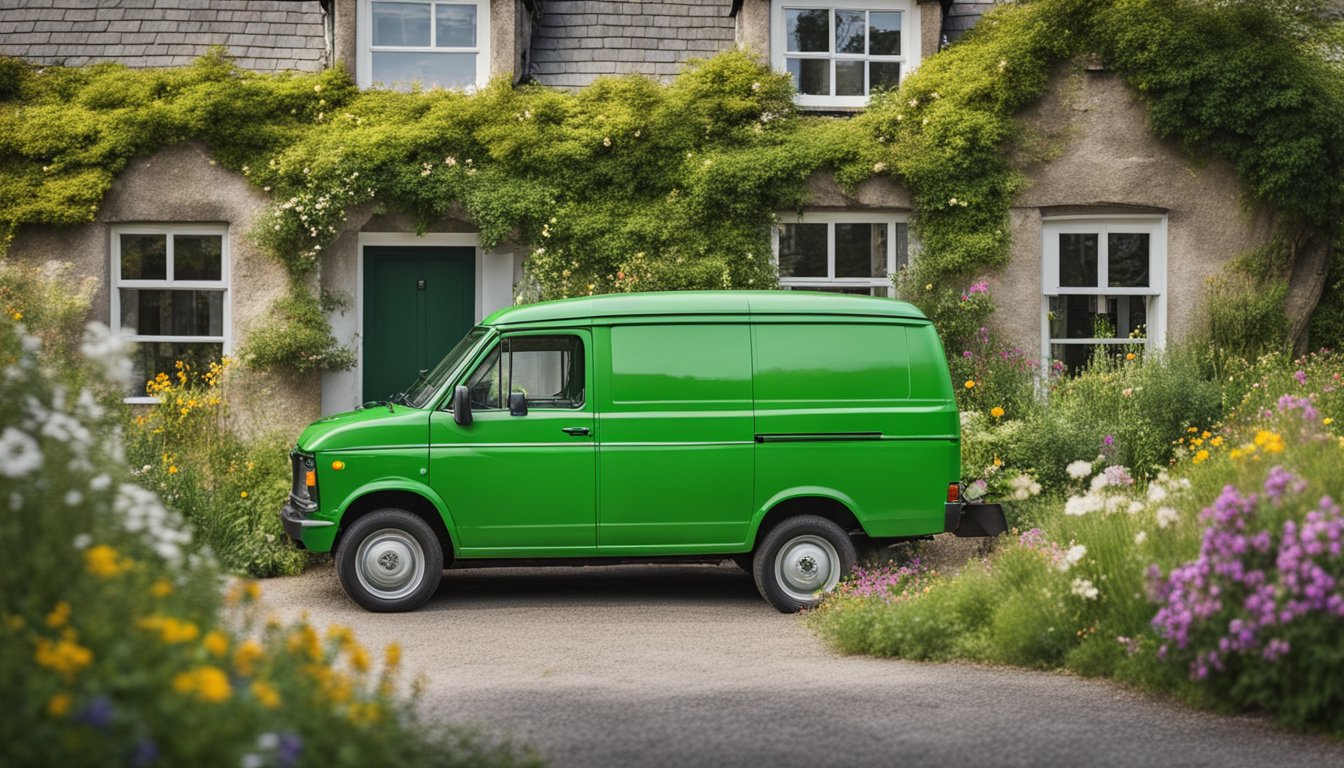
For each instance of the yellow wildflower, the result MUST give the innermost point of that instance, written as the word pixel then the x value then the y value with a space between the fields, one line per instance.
pixel 64 656
pixel 105 562
pixel 359 658
pixel 1206 434
pixel 1201 456
pixel 161 588
pixel 1272 442
pixel 171 630
pixel 209 684
pixel 17 316
pixel 998 462
pixel 172 470
pixel 59 615
pixel 970 384
pixel 1216 442
pixel 1327 421
pixel 1130 356
pixel 216 642
pixel 243 494
pixel 58 705
pixel 392 655
pixel 996 412
pixel 246 657
pixel 265 694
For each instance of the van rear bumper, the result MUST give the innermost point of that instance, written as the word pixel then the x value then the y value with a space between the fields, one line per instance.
pixel 974 520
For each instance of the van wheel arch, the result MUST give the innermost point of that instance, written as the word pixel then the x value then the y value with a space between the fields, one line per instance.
pixel 411 502
pixel 819 506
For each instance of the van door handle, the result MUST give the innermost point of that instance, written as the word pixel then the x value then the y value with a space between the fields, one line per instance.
pixel 576 431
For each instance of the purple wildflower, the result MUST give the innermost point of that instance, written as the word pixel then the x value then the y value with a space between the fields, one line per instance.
pixel 1301 376
pixel 98 713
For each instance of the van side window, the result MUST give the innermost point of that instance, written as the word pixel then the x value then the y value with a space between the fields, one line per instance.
pixel 548 369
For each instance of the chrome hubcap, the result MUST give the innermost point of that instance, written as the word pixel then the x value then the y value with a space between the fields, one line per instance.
pixel 390 563
pixel 806 566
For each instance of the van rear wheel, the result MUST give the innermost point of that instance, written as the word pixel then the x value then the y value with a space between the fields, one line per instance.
pixel 390 560
pixel 801 559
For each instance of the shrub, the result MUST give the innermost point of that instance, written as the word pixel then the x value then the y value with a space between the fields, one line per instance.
pixel 116 644
pixel 1223 582
pixel 229 487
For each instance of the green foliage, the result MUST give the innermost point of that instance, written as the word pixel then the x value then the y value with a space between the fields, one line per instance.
pixel 296 336
pixel 49 301
pixel 1080 594
pixel 1327 321
pixel 228 487
pixel 628 184
pixel 117 644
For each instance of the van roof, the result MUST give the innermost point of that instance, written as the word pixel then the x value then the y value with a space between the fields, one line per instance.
pixel 705 303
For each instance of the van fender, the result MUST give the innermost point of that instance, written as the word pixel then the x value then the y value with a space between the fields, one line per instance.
pixel 400 484
pixel 800 492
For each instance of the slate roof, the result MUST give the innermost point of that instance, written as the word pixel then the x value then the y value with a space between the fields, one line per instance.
pixel 959 16
pixel 575 41
pixel 263 35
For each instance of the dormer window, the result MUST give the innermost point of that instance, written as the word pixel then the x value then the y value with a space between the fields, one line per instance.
pixel 838 53
pixel 404 43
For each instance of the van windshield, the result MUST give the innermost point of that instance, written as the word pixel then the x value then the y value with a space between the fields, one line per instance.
pixel 420 393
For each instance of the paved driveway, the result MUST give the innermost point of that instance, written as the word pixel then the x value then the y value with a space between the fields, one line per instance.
pixel 687 666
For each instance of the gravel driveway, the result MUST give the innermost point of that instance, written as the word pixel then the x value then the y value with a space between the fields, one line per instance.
pixel 687 666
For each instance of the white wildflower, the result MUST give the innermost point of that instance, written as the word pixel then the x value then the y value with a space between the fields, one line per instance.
pixel 1079 469
pixel 82 541
pixel 109 350
pixel 1166 516
pixel 100 483
pixel 1084 588
pixel 1071 558
pixel 1140 537
pixel 73 498
pixel 1024 487
pixel 1077 506
pixel 1157 492
pixel 19 453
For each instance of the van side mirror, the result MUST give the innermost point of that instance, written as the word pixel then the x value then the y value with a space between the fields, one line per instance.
pixel 462 405
pixel 517 404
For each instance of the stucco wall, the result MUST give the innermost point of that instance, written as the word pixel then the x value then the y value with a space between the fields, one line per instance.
pixel 182 184
pixel 1108 156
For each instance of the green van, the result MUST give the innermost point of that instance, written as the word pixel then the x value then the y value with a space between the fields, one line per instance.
pixel 783 430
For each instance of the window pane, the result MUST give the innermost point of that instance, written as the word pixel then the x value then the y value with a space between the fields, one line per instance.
pixel 144 257
pixel 902 246
pixel 1127 259
pixel 401 24
pixel 154 357
pixel 883 75
pixel 1078 260
pixel 455 26
pixel 198 257
pixel 860 250
pixel 849 78
pixel 486 383
pixel 1131 316
pixel 884 33
pixel 173 313
pixel 548 369
pixel 849 32
pixel 1075 317
pixel 802 250
pixel 807 30
pixel 811 76
pixel 445 70
pixel 1076 357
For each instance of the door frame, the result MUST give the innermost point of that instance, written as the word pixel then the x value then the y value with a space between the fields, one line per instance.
pixel 403 239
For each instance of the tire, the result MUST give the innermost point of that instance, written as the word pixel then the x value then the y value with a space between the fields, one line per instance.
pixel 801 558
pixel 390 560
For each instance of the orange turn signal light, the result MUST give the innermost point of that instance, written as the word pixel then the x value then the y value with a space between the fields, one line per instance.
pixel 338 465
pixel 311 478
pixel 953 493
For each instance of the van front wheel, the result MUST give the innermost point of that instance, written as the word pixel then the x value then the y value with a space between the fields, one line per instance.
pixel 390 560
pixel 800 559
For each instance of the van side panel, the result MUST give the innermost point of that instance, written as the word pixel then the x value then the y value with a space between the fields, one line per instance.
pixel 846 404
pixel 675 436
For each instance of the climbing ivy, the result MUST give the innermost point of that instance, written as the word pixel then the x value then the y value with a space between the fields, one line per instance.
pixel 629 184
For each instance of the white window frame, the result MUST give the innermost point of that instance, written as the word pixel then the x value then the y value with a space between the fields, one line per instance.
pixel 364 47
pixel 169 284
pixel 830 219
pixel 910 44
pixel 1155 226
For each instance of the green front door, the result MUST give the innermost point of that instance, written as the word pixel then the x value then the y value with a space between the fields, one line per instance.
pixel 418 302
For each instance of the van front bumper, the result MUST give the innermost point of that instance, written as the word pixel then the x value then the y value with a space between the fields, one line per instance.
pixel 974 520
pixel 300 528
